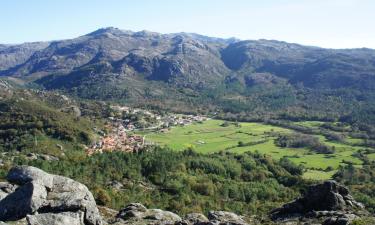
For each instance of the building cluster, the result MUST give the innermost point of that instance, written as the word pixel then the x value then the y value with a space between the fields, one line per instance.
pixel 181 120
pixel 158 122
pixel 119 137
pixel 117 140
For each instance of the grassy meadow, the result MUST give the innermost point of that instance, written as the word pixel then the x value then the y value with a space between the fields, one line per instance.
pixel 213 136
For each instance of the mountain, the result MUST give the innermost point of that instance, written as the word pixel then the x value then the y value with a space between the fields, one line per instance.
pixel 187 71
pixel 312 66
pixel 13 55
pixel 157 56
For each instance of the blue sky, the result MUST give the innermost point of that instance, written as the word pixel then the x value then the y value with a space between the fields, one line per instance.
pixel 326 23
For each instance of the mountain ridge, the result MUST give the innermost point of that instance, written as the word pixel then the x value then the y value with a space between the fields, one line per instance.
pixel 112 64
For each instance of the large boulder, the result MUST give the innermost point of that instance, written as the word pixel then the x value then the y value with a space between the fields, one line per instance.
pixel 63 218
pixel 222 217
pixel 195 218
pixel 27 199
pixel 322 200
pixel 45 197
pixel 137 214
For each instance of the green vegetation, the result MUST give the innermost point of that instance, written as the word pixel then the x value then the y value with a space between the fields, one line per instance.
pixel 29 124
pixel 182 181
pixel 286 116
pixel 304 141
pixel 321 152
pixel 361 181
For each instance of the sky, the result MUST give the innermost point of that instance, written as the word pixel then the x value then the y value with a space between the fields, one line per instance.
pixel 324 23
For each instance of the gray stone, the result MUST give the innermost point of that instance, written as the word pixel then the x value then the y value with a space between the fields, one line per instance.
pixel 336 221
pixel 65 218
pixel 116 185
pixel 328 196
pixel 195 218
pixel 46 193
pixel 48 157
pixel 6 188
pixel 25 200
pixel 222 217
pixel 158 214
pixel 132 210
pixel 23 174
pixel 136 213
pixel 60 147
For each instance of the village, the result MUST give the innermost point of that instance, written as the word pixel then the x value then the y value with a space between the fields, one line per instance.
pixel 121 127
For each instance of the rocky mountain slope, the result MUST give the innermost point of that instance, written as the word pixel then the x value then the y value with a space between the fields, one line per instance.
pixel 13 55
pixel 190 57
pixel 34 197
pixel 157 56
pixel 187 71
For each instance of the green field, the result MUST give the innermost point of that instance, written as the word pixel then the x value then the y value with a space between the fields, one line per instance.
pixel 210 136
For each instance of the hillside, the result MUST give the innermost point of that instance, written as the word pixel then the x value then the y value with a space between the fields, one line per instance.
pixel 193 187
pixel 182 72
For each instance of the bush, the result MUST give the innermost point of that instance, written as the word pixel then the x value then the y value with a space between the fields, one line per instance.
pixel 303 141
pixel 102 197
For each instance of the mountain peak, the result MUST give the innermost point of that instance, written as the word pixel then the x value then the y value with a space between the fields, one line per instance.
pixel 106 30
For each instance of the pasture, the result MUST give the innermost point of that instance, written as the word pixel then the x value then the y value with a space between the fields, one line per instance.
pixel 217 135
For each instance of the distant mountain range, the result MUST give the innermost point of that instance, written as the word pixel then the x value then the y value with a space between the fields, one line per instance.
pixel 263 75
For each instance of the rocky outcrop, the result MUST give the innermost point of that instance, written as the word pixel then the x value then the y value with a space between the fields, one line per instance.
pixel 55 218
pixel 137 214
pixel 195 218
pixel 35 156
pixel 44 198
pixel 221 217
pixel 329 201
pixel 34 197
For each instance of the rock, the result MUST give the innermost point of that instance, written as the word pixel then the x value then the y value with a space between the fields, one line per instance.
pixel 132 210
pixel 116 185
pixel 329 202
pixel 55 196
pixel 25 200
pixel 48 157
pixel 336 221
pixel 56 219
pixel 23 174
pixel 195 218
pixel 328 196
pixel 73 109
pixel 6 188
pixel 60 147
pixel 68 195
pixel 136 213
pixel 2 194
pixel 32 156
pixel 160 215
pixel 222 217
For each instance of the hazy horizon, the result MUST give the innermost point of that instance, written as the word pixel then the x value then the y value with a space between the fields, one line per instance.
pixel 322 23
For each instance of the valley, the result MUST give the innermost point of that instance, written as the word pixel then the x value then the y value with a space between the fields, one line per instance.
pixel 189 123
pixel 239 137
